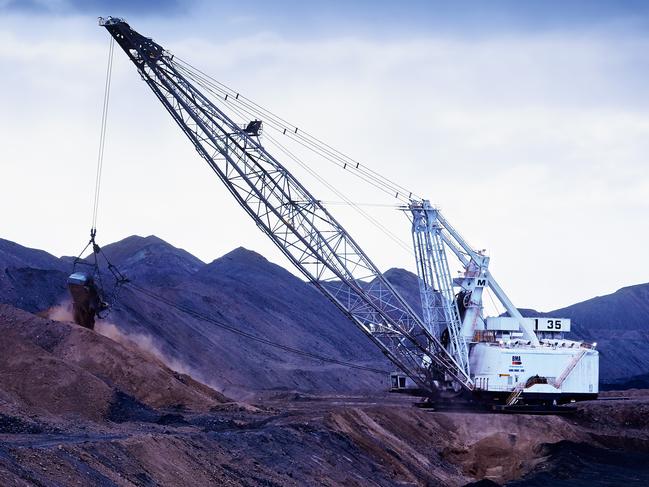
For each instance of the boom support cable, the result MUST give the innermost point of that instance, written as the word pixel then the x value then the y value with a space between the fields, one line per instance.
pixel 291 131
pixel 386 231
pixel 310 237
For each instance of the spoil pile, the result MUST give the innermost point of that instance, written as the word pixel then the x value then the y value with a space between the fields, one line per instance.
pixel 62 369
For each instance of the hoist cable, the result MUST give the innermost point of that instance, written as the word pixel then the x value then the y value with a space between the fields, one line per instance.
pixel 102 135
pixel 96 250
pixel 203 317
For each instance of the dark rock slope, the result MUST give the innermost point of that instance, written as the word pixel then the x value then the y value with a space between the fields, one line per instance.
pixel 246 291
pixel 30 279
pixel 619 323
pixel 64 370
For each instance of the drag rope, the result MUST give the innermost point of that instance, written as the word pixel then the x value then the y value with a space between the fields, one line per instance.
pixel 203 317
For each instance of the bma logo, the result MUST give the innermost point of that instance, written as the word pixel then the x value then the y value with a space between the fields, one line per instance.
pixel 516 360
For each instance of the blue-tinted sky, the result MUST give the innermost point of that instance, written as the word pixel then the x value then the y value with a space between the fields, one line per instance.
pixel 526 121
pixel 382 18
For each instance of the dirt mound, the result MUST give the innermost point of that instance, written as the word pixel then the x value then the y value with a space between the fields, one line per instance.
pixel 400 439
pixel 630 411
pixel 63 369
pixel 452 448
pixel 329 441
pixel 42 383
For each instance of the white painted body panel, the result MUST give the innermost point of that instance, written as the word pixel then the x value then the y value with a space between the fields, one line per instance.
pixel 498 367
pixel 502 323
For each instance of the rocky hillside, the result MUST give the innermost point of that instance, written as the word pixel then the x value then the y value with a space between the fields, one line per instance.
pixel 244 290
pixel 619 323
pixel 30 279
pixel 77 408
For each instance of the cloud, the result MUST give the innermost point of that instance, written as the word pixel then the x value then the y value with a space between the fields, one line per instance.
pixel 99 7
pixel 533 144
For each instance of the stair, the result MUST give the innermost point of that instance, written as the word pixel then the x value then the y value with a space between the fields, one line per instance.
pixel 571 366
pixel 515 395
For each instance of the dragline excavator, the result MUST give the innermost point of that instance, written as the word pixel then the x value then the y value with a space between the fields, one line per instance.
pixel 448 348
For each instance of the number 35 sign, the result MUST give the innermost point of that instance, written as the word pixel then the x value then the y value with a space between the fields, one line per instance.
pixel 551 324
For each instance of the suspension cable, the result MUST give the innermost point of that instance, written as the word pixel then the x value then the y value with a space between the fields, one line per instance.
pixel 203 317
pixel 102 137
pixel 96 249
pixel 303 138
pixel 385 230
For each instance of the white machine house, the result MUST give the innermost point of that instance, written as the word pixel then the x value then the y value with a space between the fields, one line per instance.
pixel 509 359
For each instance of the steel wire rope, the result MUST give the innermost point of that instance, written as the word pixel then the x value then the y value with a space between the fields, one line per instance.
pixel 102 135
pixel 96 250
pixel 304 138
pixel 327 155
pixel 493 302
pixel 358 203
pixel 385 230
pixel 338 193
pixel 347 165
pixel 240 98
pixel 357 208
pixel 250 336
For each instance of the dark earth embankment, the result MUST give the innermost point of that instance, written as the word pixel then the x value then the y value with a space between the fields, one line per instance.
pixel 77 408
pixel 245 290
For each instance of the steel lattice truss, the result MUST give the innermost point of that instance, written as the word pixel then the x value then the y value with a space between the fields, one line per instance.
pixel 294 220
pixel 439 307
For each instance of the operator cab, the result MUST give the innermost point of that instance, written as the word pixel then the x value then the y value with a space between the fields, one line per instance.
pixel 253 128
pixel 397 382
pixel 401 383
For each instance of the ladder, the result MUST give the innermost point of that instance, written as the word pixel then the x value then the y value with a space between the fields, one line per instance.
pixel 515 395
pixel 571 366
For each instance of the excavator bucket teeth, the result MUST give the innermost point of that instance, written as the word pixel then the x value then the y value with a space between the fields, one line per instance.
pixel 86 301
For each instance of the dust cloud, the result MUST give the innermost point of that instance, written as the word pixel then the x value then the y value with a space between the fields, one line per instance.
pixel 61 312
pixel 141 342
pixel 144 343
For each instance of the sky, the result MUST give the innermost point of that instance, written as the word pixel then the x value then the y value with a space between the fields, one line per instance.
pixel 527 123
